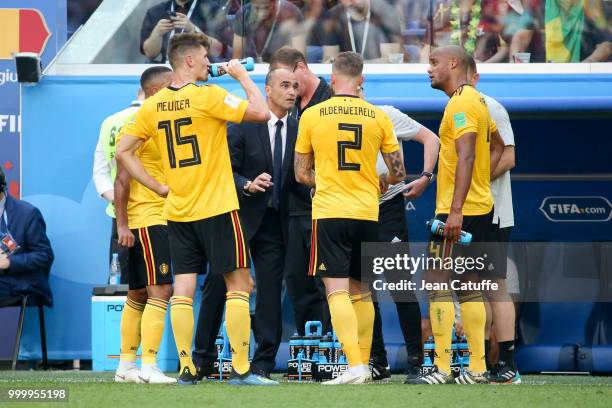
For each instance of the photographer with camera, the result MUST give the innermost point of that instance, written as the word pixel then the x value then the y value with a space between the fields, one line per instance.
pixel 168 18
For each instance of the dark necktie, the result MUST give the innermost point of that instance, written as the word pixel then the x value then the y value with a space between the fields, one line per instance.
pixel 278 165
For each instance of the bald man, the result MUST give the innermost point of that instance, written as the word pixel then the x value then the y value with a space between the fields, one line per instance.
pixel 470 146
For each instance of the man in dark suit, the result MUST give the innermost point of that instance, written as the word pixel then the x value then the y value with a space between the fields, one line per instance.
pixel 24 271
pixel 262 161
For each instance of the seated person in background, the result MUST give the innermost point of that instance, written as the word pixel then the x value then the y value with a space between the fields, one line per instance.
pixel 24 270
pixel 171 17
pixel 370 28
pixel 314 12
pixel 263 26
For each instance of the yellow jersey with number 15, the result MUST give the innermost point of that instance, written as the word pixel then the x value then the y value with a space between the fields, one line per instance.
pixel 345 134
pixel 466 112
pixel 189 127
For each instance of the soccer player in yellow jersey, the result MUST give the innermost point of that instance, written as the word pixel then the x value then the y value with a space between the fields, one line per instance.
pixel 187 123
pixel 341 138
pixel 470 146
pixel 141 227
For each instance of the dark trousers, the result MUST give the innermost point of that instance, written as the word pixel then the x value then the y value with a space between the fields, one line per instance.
pixel 392 225
pixel 268 255
pixel 209 320
pixel 307 294
pixel 123 252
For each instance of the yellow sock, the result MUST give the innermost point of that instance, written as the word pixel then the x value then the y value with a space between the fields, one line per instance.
pixel 442 315
pixel 153 319
pixel 473 317
pixel 345 324
pixel 364 310
pixel 181 316
pixel 130 330
pixel 238 327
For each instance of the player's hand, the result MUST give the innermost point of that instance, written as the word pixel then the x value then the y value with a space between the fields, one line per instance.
pixel 235 69
pixel 181 21
pixel 163 190
pixel 5 262
pixel 415 188
pixel 162 27
pixel 261 183
pixel 125 236
pixel 454 222
pixel 458 328
pixel 382 181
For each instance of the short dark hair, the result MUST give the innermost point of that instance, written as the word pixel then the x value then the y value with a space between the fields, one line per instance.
pixel 150 73
pixel 180 42
pixel 287 56
pixel 348 63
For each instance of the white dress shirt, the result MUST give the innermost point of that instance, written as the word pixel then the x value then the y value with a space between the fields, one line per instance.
pixel 272 132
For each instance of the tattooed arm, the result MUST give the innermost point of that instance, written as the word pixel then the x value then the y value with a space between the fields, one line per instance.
pixel 303 167
pixel 395 164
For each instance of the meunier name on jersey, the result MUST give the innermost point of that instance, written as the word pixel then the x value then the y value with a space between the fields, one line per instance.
pixel 172 105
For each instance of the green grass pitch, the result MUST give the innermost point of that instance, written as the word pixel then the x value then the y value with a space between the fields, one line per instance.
pixel 87 389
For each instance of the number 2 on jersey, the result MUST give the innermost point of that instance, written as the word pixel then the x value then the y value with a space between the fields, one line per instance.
pixel 344 145
pixel 166 126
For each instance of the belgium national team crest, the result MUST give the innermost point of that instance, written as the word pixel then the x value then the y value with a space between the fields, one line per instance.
pixel 164 269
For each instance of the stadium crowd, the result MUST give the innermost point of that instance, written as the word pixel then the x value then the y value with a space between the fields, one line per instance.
pixel 381 30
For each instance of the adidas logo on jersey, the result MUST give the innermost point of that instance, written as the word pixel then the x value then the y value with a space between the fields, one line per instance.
pixel 322 267
pixel 184 353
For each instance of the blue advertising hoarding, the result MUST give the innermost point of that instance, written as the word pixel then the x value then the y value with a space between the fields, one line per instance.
pixel 40 26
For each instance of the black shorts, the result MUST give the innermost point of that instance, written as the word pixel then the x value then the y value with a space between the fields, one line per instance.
pixel 392 220
pixel 499 243
pixel 336 246
pixel 218 240
pixel 480 249
pixel 149 258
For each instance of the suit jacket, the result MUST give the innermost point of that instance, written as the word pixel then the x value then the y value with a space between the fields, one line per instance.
pixel 251 155
pixel 29 269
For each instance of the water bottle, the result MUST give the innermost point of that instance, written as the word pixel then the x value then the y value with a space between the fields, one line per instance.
pixel 429 352
pixel 326 346
pixel 114 277
pixel 437 227
pixel 217 69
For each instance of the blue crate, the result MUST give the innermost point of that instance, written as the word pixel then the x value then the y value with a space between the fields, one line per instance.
pixel 106 338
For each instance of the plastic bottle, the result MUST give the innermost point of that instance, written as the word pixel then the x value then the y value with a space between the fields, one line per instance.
pixel 216 70
pixel 114 277
pixel 437 227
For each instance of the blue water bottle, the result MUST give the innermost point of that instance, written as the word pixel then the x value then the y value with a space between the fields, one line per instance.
pixel 437 227
pixel 217 69
pixel 311 340
pixel 428 352
pixel 326 346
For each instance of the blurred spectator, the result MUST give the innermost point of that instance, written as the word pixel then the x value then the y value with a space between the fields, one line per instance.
pixel 368 27
pixel 171 17
pixel 414 20
pixel 263 26
pixel 576 31
pixel 25 252
pixel 79 12
pixel 314 12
